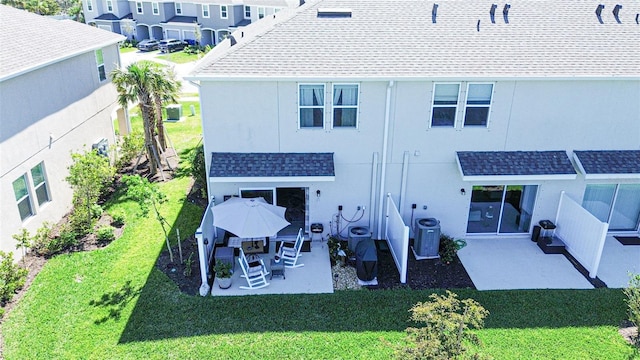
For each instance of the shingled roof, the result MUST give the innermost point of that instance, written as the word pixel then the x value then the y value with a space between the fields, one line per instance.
pixel 609 163
pixel 29 41
pixel 227 165
pixel 395 39
pixel 521 164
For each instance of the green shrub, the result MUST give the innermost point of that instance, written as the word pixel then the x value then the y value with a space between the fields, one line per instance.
pixel 198 170
pixel 448 249
pixel 12 277
pixel 195 49
pixel 633 302
pixel 42 238
pixel 106 234
pixel 96 211
pixel 118 217
pixel 45 244
pixel 66 240
pixel 130 146
pixel 23 241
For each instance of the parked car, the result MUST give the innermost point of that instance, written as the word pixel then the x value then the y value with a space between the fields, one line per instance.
pixel 148 45
pixel 171 45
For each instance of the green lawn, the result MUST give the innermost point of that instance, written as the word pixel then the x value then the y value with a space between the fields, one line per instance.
pixel 124 50
pixel 179 57
pixel 113 303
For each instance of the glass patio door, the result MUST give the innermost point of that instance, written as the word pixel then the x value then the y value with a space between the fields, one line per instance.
pixel 619 205
pixel 503 209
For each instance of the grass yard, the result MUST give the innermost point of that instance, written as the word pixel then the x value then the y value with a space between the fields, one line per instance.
pixel 113 303
pixel 179 57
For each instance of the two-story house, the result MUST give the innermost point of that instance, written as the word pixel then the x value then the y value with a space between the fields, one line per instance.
pixel 206 22
pixel 55 98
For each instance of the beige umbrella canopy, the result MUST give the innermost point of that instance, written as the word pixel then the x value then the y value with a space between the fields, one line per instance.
pixel 249 218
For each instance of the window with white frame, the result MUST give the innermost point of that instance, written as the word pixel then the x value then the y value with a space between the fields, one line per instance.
pixel 89 5
pixel 23 200
pixel 224 12
pixel 478 104
pixel 110 5
pixel 155 8
pixel 139 7
pixel 311 105
pixel 345 105
pixel 178 8
pixel 247 12
pixel 39 180
pixel 102 74
pixel 275 10
pixel 445 104
pixel 261 12
pixel 205 10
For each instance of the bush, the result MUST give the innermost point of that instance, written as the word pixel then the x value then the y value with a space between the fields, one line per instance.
pixel 195 49
pixel 130 146
pixel 118 218
pixel 106 234
pixel 12 277
pixel 42 238
pixel 198 170
pixel 45 244
pixel 448 249
pixel 96 211
pixel 633 302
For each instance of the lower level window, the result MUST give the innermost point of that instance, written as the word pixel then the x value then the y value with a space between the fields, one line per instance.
pixel 40 184
pixel 21 191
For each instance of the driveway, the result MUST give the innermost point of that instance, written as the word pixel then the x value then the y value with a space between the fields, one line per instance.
pixel 181 70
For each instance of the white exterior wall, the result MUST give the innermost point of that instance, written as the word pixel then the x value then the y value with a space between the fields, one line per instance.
pixel 64 102
pixel 525 115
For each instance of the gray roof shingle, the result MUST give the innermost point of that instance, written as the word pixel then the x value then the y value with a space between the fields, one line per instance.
pixel 224 164
pixel 509 163
pixel 395 39
pixel 29 41
pixel 610 161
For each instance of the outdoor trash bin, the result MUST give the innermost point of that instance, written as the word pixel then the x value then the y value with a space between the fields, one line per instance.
pixel 366 260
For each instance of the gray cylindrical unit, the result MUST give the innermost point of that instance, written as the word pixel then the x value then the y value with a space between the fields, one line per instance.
pixel 427 238
pixel 357 234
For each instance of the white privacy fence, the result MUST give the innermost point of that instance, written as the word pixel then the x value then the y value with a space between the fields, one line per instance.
pixel 582 233
pixel 396 234
pixel 206 237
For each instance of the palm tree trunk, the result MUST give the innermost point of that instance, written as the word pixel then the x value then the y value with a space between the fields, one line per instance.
pixel 148 116
pixel 160 124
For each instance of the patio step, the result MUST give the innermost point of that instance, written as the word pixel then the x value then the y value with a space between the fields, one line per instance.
pixel 551 245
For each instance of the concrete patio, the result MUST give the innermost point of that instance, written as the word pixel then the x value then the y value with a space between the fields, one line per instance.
pixel 518 263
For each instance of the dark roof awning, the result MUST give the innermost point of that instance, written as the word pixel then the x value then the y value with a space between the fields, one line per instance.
pixel 182 19
pixel 609 164
pixel 271 167
pixel 108 16
pixel 515 165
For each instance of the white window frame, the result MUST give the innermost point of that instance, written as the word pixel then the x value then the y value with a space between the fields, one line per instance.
pixel 247 12
pixel 467 105
pixel 433 105
pixel 178 8
pixel 102 75
pixel 43 184
pixel 110 6
pixel 272 189
pixel 321 106
pixel 139 8
pixel 334 106
pixel 155 8
pixel 276 10
pixel 206 11
pixel 262 12
pixel 224 12
pixel 89 5
pixel 26 197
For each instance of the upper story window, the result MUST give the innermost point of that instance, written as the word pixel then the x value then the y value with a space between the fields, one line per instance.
pixel 89 5
pixel 205 10
pixel 40 184
pixel 478 104
pixel 110 5
pixel 275 10
pixel 224 12
pixel 139 7
pixel 445 104
pixel 345 105
pixel 311 105
pixel 247 12
pixel 178 8
pixel 155 8
pixel 102 74
pixel 261 12
pixel 23 199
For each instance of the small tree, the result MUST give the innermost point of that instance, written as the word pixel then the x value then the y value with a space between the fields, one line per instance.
pixel 148 196
pixel 89 176
pixel 446 323
pixel 633 302
pixel 198 169
pixel 12 277
pixel 23 241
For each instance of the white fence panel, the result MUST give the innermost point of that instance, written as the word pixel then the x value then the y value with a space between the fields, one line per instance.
pixel 206 237
pixel 582 233
pixel 397 237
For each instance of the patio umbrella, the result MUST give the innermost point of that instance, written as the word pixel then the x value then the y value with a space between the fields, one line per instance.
pixel 249 218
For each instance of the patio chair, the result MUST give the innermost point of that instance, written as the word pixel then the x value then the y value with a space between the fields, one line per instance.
pixel 254 271
pixel 290 252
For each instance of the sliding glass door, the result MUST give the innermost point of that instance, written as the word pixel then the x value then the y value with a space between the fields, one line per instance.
pixel 619 205
pixel 503 209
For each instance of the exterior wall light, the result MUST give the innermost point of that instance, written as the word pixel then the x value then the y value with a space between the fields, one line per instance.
pixel 318 193
pixel 463 192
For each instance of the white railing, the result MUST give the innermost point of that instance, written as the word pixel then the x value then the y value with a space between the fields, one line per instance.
pixel 396 233
pixel 206 237
pixel 582 233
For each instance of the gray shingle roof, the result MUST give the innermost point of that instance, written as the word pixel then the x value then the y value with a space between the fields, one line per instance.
pixel 508 163
pixel 28 41
pixel 224 164
pixel 107 16
pixel 183 19
pixel 392 39
pixel 610 161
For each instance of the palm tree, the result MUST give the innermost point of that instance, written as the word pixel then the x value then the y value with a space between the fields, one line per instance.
pixel 165 88
pixel 136 84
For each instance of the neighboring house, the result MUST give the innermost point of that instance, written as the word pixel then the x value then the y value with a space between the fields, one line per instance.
pixel 477 115
pixel 55 98
pixel 209 20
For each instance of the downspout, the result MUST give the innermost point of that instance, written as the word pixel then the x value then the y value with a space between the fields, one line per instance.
pixel 385 144
pixel 374 186
pixel 403 183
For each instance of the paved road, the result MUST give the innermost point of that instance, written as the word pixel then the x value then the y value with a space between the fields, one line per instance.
pixel 180 69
